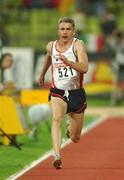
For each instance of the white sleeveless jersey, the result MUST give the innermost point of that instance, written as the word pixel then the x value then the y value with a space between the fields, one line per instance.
pixel 63 76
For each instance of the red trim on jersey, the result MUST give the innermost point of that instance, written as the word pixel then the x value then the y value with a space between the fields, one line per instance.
pixel 53 84
pixel 74 51
pixel 52 48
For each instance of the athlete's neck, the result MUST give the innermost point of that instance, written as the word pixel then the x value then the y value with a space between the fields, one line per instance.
pixel 63 44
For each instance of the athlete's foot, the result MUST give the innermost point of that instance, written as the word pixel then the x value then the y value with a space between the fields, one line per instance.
pixel 57 163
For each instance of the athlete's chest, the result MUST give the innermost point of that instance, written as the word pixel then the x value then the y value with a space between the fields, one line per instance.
pixel 63 47
pixel 69 54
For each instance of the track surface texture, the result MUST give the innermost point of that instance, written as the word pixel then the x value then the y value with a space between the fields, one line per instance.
pixel 98 156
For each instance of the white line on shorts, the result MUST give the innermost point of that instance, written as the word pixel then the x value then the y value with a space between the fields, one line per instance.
pixel 50 153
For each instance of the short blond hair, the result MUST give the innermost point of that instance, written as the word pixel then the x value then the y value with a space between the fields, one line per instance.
pixel 67 20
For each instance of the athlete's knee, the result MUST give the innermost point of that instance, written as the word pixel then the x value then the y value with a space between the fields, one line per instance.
pixel 57 119
pixel 75 139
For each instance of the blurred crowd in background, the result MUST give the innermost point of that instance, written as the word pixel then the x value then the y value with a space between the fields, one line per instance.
pixel 25 22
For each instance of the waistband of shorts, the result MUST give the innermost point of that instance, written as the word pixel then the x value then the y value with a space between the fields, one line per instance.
pixel 62 91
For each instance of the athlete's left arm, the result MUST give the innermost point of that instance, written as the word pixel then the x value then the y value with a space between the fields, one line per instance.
pixel 82 64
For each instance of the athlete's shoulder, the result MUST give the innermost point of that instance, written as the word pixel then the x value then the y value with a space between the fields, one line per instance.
pixel 79 44
pixel 49 46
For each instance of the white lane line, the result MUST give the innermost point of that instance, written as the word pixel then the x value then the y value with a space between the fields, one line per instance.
pixel 50 153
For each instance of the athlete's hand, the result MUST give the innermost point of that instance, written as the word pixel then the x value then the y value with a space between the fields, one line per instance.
pixel 64 59
pixel 41 80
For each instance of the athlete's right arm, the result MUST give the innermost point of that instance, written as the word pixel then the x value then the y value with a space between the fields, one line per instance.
pixel 46 65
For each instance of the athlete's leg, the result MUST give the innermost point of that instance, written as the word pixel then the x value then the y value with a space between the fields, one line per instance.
pixel 75 126
pixel 59 108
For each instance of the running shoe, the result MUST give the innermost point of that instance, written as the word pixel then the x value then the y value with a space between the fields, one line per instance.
pixel 57 162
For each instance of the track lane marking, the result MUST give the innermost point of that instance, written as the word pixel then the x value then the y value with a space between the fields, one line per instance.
pixel 85 130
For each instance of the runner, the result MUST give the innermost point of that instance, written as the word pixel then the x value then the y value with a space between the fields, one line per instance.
pixel 69 61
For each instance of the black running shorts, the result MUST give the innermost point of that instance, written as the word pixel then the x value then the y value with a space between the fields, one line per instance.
pixel 75 99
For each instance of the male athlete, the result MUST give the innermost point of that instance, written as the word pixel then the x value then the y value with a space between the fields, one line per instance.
pixel 69 61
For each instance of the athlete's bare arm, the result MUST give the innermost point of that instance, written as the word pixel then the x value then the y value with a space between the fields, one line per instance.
pixel 82 64
pixel 46 65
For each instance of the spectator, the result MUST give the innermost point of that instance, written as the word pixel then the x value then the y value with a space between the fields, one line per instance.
pixel 108 23
pixel 100 43
pixel 107 38
pixel 26 3
pixel 92 7
pixel 5 63
pixel 98 7
pixel 119 69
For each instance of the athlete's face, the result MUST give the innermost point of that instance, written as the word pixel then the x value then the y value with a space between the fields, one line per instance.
pixel 66 31
pixel 7 62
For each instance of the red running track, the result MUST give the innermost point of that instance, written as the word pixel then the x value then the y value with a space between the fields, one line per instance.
pixel 98 156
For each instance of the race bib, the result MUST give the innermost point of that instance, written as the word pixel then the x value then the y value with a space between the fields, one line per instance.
pixel 65 73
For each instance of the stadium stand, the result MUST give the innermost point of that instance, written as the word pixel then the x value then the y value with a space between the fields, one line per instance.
pixel 32 23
